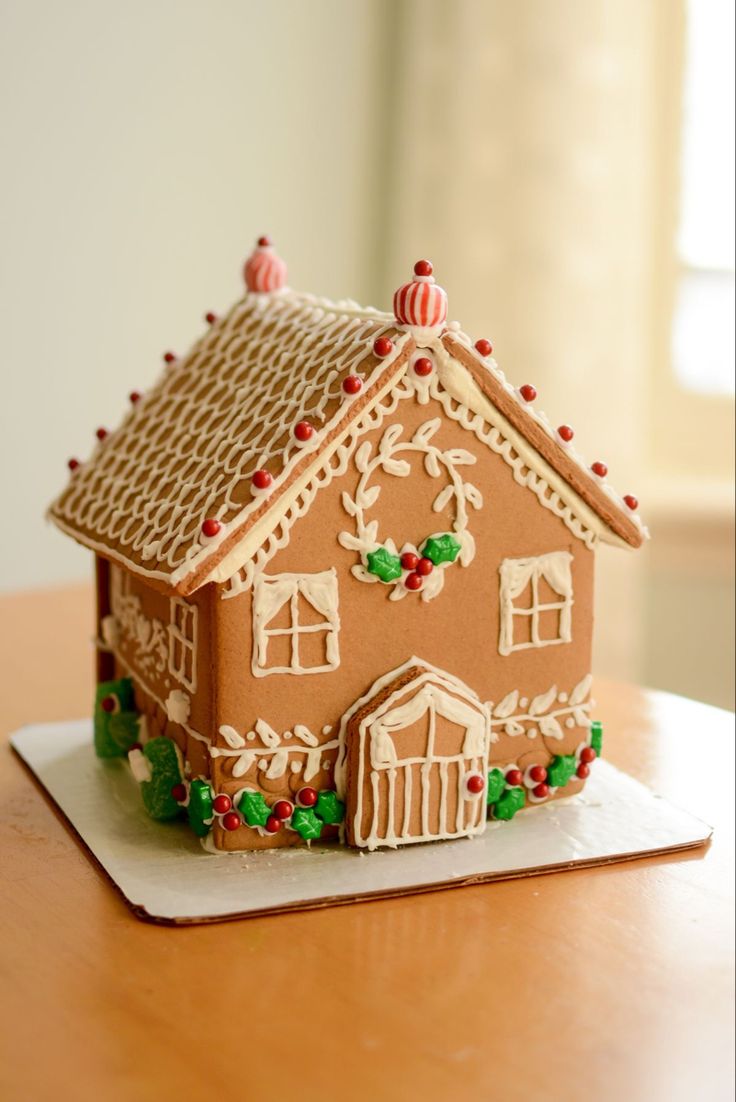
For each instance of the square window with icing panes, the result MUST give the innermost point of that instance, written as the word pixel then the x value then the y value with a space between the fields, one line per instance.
pixel 535 602
pixel 295 623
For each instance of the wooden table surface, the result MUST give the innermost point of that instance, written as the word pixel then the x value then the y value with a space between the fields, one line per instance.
pixel 608 983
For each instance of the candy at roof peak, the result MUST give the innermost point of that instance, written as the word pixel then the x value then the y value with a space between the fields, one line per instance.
pixel 264 271
pixel 421 302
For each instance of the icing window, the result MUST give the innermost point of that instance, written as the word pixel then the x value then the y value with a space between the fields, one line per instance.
pixel 183 642
pixel 536 602
pixel 295 623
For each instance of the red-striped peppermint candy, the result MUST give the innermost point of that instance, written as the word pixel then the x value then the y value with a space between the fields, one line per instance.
pixel 264 271
pixel 421 302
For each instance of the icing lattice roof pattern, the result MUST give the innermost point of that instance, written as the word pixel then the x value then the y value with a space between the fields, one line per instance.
pixel 188 449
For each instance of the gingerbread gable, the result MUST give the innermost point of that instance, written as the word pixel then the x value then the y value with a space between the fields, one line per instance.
pixel 210 468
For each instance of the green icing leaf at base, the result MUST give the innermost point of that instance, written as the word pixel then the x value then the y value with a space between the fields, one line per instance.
pixel 329 808
pixel 254 809
pixel 115 732
pixel 596 736
pixel 512 801
pixel 561 770
pixel 441 549
pixel 496 785
pixel 384 565
pixel 305 822
pixel 163 757
pixel 199 811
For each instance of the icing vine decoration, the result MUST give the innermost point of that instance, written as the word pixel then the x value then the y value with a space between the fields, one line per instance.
pixel 412 566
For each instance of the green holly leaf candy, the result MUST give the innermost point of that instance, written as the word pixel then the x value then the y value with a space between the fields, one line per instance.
pixel 596 736
pixel 115 731
pixel 305 822
pixel 165 774
pixel 496 785
pixel 329 808
pixel 199 810
pixel 254 809
pixel 512 801
pixel 441 549
pixel 384 565
pixel 561 769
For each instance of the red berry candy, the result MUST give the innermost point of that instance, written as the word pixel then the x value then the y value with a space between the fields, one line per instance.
pixel 307 797
pixel 587 755
pixel 273 825
pixel 179 792
pixel 264 241
pixel 483 347
pixel 283 809
pixel 413 581
pixel 541 791
pixel 475 784
pixel 424 567
pixel 109 703
pixel 135 396
pixel 583 771
pixel 136 746
pixel 72 464
pixel 210 527
pixel 423 367
pixel 221 804
pixel 101 434
pixel 409 561
pixel 169 357
pixel 261 479
pixel 632 502
pixel 351 384
pixel 565 433
pixel 423 268
pixel 231 821
pixel 210 318
pixel 538 774
pixel 303 431
pixel 514 777
pixel 382 347
pixel 599 469
pixel 528 392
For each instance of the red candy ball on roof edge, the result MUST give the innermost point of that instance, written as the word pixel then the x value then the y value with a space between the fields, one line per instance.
pixel 599 469
pixel 101 434
pixel 528 392
pixel 352 384
pixel 382 347
pixel 261 479
pixel 303 431
pixel 565 433
pixel 632 502
pixel 483 347
pixel 135 396
pixel 210 527
pixel 210 318
pixel 169 357
pixel 73 464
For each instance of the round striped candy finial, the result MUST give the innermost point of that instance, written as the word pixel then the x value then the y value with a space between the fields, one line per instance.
pixel 421 302
pixel 264 271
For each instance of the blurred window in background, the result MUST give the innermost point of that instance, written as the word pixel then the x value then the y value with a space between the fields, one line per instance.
pixel 703 334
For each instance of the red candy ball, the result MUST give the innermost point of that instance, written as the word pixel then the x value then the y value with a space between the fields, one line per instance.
pixel 273 825
pixel 565 433
pixel 541 791
pixel 72 464
pixel 424 567
pixel 179 792
pixel 514 777
pixel 169 357
pixel 283 809
pixel 231 821
pixel 632 502
pixel 101 434
pixel 413 581
pixel 109 703
pixel 423 268
pixel 307 797
pixel 475 784
pixel 382 347
pixel 528 392
pixel 483 347
pixel 135 396
pixel 136 746
pixel 351 384
pixel 587 755
pixel 264 241
pixel 261 479
pixel 221 804
pixel 599 469
pixel 409 560
pixel 210 318
pixel 210 527
pixel 423 367
pixel 583 771
pixel 538 774
pixel 303 431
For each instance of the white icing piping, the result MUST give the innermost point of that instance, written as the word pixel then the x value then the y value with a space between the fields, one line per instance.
pixel 516 575
pixel 271 594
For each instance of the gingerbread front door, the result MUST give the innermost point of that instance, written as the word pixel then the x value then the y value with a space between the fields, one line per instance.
pixel 416 761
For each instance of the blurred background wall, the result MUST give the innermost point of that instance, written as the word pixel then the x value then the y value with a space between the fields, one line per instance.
pixel 568 166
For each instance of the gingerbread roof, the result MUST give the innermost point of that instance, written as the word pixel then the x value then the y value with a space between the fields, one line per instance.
pixel 205 465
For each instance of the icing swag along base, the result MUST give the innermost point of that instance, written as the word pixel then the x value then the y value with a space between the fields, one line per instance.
pixel 318 491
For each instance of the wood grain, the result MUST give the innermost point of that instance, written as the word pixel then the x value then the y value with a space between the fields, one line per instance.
pixel 601 984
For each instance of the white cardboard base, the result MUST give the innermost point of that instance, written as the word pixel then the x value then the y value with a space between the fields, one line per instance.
pixel 166 876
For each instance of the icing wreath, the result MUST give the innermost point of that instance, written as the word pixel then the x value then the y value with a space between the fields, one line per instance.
pixel 411 567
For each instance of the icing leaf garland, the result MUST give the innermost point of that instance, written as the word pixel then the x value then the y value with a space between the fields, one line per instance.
pixel 512 801
pixel 166 772
pixel 330 809
pixel 254 809
pixel 561 770
pixel 441 549
pixel 384 565
pixel 305 822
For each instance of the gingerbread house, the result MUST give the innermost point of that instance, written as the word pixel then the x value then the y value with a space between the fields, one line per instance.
pixel 344 577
